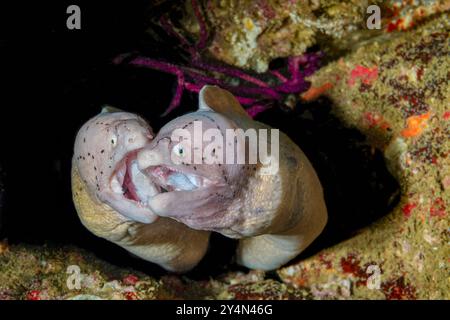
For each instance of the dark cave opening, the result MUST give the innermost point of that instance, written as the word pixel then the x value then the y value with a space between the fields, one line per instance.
pixel 75 77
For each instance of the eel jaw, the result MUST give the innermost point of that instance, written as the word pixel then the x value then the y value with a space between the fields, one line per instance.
pixel 130 190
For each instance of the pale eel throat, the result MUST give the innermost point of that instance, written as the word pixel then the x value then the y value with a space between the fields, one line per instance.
pixel 111 194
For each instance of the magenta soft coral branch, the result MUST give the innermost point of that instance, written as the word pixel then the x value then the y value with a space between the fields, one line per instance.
pixel 201 44
pixel 251 91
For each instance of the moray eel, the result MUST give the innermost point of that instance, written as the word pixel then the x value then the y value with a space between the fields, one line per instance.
pixel 275 216
pixel 111 194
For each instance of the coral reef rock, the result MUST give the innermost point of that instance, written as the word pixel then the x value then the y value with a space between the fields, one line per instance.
pixel 396 92
pixel 249 34
pixel 42 273
pixel 69 273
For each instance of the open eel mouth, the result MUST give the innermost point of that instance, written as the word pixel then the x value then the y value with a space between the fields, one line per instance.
pixel 135 188
pixel 132 183
pixel 171 179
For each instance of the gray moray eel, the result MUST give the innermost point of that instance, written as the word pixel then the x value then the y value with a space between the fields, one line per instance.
pixel 275 216
pixel 110 193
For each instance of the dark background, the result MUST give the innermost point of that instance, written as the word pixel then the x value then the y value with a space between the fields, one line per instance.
pixel 54 79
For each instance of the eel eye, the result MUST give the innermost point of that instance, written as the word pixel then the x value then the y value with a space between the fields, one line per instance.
pixel 114 141
pixel 179 150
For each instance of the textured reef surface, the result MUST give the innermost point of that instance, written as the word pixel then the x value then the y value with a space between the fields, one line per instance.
pixel 250 34
pixel 396 92
pixel 392 86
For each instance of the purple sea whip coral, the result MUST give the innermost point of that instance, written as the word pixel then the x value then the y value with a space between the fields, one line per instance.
pixel 255 92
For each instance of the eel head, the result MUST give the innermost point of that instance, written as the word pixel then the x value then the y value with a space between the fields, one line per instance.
pixel 105 155
pixel 190 160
